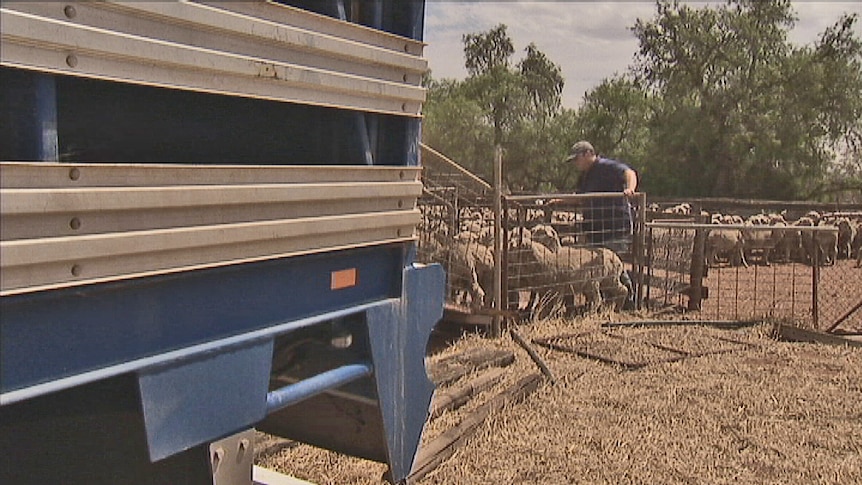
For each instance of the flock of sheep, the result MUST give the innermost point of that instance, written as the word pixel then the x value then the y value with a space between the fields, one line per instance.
pixel 814 237
pixel 542 266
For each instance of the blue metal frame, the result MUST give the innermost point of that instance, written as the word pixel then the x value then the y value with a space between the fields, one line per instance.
pixel 30 117
pixel 399 336
pixel 203 398
pixel 50 336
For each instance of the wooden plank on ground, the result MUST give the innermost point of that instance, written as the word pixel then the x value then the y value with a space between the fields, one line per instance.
pixel 452 368
pixel 441 448
pixel 795 334
pixel 533 355
pixel 453 399
pixel 463 316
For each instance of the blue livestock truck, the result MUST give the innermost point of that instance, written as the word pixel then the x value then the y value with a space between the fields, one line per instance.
pixel 208 228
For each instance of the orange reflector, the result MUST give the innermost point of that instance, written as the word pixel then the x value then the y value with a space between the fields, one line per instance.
pixel 343 279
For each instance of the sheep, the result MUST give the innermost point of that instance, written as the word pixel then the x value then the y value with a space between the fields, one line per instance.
pixel 827 244
pixel 790 246
pixel 818 245
pixel 725 241
pixel 683 209
pixel 568 241
pixel 814 216
pixel 856 244
pixel 469 265
pixel 758 219
pixel 846 234
pixel 574 271
pixel 547 236
pixel 587 271
pixel 761 240
pixel 777 218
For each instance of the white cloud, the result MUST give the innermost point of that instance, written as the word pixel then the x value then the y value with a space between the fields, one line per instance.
pixel 591 41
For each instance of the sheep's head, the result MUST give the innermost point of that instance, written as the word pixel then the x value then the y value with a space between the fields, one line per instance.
pixel 546 236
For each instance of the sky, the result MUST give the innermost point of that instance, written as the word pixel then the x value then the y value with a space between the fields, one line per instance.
pixel 590 41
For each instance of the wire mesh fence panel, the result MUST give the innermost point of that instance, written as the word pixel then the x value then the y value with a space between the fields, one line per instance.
pixel 667 275
pixel 839 297
pixel 752 272
pixel 571 254
pixel 568 253
pixel 457 230
pixel 784 291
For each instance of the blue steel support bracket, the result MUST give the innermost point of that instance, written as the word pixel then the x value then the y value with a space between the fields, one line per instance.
pixel 399 335
pixel 186 404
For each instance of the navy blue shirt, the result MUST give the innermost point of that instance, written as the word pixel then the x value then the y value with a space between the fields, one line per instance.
pixel 610 218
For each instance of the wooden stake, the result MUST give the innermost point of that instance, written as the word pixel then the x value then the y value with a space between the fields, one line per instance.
pixel 533 355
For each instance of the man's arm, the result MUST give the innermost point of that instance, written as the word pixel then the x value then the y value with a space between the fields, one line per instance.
pixel 631 182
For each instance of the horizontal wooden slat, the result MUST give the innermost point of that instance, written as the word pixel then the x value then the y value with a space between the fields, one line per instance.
pixel 212 27
pixel 33 264
pixel 66 47
pixel 45 250
pixel 30 226
pixel 287 15
pixel 52 200
pixel 43 175
pixel 65 225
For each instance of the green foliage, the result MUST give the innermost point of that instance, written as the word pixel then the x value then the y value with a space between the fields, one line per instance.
pixel 455 125
pixel 615 118
pixel 486 52
pixel 743 113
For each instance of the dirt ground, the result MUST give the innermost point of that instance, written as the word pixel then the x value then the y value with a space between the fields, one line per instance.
pixel 644 404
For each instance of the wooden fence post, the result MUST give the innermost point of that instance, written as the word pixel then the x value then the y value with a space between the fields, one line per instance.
pixel 698 259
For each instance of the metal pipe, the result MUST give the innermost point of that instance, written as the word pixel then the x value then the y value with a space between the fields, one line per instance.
pixel 306 388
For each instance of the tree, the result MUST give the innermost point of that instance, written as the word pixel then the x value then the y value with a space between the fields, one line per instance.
pixel 742 112
pixel 514 104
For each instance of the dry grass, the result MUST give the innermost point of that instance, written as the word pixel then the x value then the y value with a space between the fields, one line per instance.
pixel 759 412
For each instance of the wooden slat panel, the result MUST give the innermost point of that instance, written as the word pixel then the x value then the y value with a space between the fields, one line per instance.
pixel 40 43
pixel 33 264
pixel 44 175
pixel 43 250
pixel 69 225
pixel 73 224
pixel 212 27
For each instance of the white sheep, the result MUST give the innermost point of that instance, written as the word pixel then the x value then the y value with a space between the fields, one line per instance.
pixel 856 245
pixel 470 269
pixel 725 241
pixel 819 245
pixel 762 240
pixel 587 271
pixel 846 234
